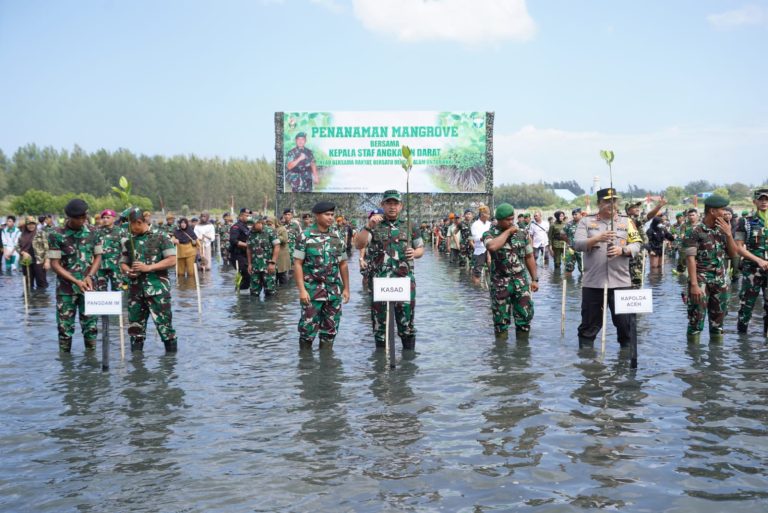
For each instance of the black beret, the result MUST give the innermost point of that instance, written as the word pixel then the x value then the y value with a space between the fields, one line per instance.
pixel 76 208
pixel 323 206
pixel 287 211
pixel 245 210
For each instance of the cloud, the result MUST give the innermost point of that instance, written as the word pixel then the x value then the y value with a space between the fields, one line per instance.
pixel 464 21
pixel 747 15
pixel 669 156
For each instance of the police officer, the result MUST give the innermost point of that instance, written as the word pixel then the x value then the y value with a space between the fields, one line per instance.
pixel 606 260
pixel 386 240
pixel 322 277
pixel 705 247
pixel 511 253
pixel 752 241
pixel 301 170
pixel 238 247
pixel 75 253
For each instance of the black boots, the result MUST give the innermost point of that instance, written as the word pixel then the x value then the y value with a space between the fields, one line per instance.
pixel 171 346
pixel 409 342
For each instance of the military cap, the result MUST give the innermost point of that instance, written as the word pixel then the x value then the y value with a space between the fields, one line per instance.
pixel 76 208
pixel 245 210
pixel 504 211
pixel 124 213
pixel 607 193
pixel 527 215
pixel 744 213
pixel 716 201
pixel 306 216
pixel 31 220
pixel 195 219
pixel 679 214
pixel 301 134
pixel 391 194
pixel 575 211
pixel 323 206
pixel 760 193
pixel 226 215
pixel 287 211
pixel 134 214
pixel 632 204
pixel 108 212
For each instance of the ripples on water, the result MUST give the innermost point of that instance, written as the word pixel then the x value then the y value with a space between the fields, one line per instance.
pixel 241 420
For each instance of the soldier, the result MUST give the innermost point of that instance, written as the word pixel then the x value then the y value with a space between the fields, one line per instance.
pixel 706 246
pixel 75 253
pixel 558 239
pixel 300 167
pixel 606 262
pixel 366 264
pixel 293 227
pixel 633 212
pixel 238 247
pixel 170 224
pixel 735 262
pixel 306 221
pixel 752 241
pixel 110 276
pixel 322 277
pixel 678 231
pixel 510 288
pixel 386 240
pixel 262 252
pixel 572 257
pixel 146 257
pixel 32 247
pixel 442 245
pixel 467 243
pixel 222 230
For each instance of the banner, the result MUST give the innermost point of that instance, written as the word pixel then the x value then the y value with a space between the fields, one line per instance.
pixel 360 152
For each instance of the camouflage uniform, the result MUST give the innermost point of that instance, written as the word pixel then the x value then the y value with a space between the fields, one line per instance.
pixel 222 230
pixel 321 254
pixel 558 245
pixel 443 246
pixel 678 230
pixel 466 249
pixel 509 286
pixel 753 233
pixel 708 246
pixel 75 251
pixel 386 249
pixel 110 273
pixel 572 257
pixel 636 262
pixel 261 245
pixel 149 293
pixel 294 231
pixel 300 177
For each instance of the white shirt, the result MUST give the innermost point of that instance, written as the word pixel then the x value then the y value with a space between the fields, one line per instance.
pixel 478 229
pixel 206 233
pixel 538 232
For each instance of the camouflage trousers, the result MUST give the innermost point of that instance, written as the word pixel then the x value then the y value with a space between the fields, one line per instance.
pixel 300 181
pixel 636 270
pixel 107 279
pixel 681 265
pixel 322 317
pixel 573 260
pixel 140 307
pixel 714 302
pixel 403 317
pixel 224 252
pixel 67 305
pixel 262 280
pixel 753 283
pixel 511 293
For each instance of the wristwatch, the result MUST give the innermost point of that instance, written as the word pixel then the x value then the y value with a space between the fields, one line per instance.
pixel 271 262
pixel 536 279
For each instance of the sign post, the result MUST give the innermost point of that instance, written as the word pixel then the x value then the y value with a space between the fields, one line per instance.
pixel 104 304
pixel 391 290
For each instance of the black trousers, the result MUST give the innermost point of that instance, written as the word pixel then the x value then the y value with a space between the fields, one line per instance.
pixel 592 317
pixel 242 265
pixel 37 278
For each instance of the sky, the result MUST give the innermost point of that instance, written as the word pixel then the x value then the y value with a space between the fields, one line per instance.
pixel 678 89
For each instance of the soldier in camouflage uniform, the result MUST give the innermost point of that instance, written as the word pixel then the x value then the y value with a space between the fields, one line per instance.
pixel 300 167
pixel 467 244
pixel 222 230
pixel 636 262
pixel 110 276
pixel 572 257
pixel 677 230
pixel 367 269
pixel 442 246
pixel 752 241
pixel 511 253
pixel 75 254
pixel 558 239
pixel 262 252
pixel 146 257
pixel 322 277
pixel 386 240
pixel 706 246
pixel 293 227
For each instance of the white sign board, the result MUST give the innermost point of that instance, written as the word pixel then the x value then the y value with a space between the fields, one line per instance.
pixel 633 301
pixel 391 289
pixel 103 303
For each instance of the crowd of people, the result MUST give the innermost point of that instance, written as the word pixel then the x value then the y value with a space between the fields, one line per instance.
pixel 501 250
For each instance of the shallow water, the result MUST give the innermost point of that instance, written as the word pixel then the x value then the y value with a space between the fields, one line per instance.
pixel 241 420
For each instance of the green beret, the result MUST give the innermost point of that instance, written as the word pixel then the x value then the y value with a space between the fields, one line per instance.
pixel 504 211
pixel 744 213
pixel 716 201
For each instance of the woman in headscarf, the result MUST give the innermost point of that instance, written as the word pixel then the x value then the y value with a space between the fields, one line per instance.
pixel 187 248
pixel 32 247
pixel 657 234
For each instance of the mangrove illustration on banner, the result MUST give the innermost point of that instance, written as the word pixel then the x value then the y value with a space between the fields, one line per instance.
pixel 359 152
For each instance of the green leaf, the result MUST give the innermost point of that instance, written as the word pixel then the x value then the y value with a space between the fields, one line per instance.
pixel 607 155
pixel 119 191
pixel 123 182
pixel 406 151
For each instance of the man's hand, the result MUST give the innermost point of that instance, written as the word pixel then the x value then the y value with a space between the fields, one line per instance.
pixel 724 226
pixel 301 157
pixel 614 251
pixel 534 286
pixel 250 269
pixel 374 220
pixel 409 253
pixel 140 267
pixel 345 295
pixel 697 295
pixel 271 268
pixel 304 297
pixel 763 264
pixel 86 284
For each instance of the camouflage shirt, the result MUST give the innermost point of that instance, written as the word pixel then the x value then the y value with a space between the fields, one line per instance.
pixel 509 260
pixel 76 250
pixel 222 230
pixel 112 246
pixel 261 245
pixel 570 231
pixel 386 249
pixel 40 246
pixel 708 246
pixel 465 229
pixel 149 248
pixel 321 253
pixel 753 233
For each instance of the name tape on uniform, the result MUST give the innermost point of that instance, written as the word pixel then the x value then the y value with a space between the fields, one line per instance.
pixel 391 289
pixel 103 303
pixel 633 301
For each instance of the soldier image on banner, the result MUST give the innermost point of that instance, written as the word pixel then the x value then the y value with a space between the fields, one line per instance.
pixel 75 253
pixel 300 166
pixel 510 287
pixel 262 252
pixel 386 239
pixel 322 277
pixel 706 246
pixel 147 255
pixel 752 241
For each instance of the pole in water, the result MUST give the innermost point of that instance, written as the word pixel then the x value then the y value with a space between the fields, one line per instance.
pixel 122 338
pixel 605 308
pixel 26 291
pixel 105 342
pixel 562 309
pixel 197 286
pixel 390 334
